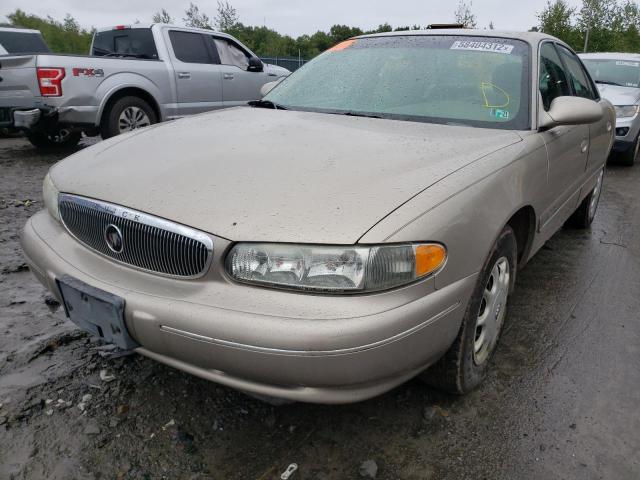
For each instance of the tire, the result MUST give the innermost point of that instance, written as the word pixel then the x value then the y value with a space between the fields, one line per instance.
pixel 62 139
pixel 628 158
pixel 464 366
pixel 126 114
pixel 586 212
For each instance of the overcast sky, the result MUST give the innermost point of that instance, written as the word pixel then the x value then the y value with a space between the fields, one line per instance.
pixel 293 17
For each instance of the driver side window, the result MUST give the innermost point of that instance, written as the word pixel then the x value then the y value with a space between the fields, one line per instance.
pixel 553 80
pixel 230 54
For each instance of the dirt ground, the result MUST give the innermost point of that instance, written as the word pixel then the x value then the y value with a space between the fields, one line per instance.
pixel 562 399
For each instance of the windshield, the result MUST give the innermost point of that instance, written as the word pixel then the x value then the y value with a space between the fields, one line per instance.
pixel 22 42
pixel 625 73
pixel 477 81
pixel 133 42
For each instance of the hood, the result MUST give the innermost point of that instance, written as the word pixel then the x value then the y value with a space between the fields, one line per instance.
pixel 273 175
pixel 619 95
pixel 277 70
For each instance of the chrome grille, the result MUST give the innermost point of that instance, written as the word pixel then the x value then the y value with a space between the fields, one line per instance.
pixel 149 243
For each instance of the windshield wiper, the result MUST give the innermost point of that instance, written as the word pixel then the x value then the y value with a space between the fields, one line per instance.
pixel 101 50
pixel 607 82
pixel 266 104
pixel 359 114
pixel 134 55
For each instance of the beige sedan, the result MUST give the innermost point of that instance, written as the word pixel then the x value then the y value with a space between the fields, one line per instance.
pixel 362 224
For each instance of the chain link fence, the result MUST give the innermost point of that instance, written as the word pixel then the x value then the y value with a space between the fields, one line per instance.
pixel 290 63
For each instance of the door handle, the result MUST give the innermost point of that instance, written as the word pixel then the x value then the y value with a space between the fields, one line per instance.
pixel 184 75
pixel 228 76
pixel 608 126
pixel 584 146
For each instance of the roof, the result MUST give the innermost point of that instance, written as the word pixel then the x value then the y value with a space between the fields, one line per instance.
pixel 611 56
pixel 167 25
pixel 529 37
pixel 18 29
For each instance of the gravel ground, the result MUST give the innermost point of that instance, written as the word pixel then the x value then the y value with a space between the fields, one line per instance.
pixel 561 400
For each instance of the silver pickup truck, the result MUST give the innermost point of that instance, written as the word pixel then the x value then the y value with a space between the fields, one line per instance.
pixel 136 76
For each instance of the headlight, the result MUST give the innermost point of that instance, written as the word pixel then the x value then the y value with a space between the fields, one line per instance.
pixel 50 195
pixel 626 111
pixel 353 269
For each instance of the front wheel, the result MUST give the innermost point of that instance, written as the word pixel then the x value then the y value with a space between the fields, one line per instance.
pixel 59 139
pixel 125 115
pixel 465 364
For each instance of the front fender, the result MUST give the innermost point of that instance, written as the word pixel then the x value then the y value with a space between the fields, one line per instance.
pixel 467 210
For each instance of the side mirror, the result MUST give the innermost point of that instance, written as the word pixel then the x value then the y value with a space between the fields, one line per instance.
pixel 570 111
pixel 255 65
pixel 267 87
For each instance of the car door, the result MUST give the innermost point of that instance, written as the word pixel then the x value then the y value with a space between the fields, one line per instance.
pixel 239 85
pixel 567 146
pixel 198 73
pixel 599 132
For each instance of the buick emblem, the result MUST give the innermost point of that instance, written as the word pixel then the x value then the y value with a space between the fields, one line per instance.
pixel 113 237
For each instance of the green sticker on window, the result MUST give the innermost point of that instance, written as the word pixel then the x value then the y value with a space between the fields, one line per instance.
pixel 500 113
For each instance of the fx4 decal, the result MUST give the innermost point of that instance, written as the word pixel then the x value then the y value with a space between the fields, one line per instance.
pixel 88 72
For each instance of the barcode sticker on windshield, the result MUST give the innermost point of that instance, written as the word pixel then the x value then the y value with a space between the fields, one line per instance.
pixel 483 46
pixel 627 64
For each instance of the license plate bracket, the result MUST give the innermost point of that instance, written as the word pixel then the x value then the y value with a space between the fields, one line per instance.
pixel 96 311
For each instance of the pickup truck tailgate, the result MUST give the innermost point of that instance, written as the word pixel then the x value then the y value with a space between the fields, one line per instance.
pixel 19 85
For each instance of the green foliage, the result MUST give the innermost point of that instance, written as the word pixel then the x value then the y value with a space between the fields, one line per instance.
pixel 611 25
pixel 226 17
pixel 62 37
pixel 557 19
pixel 162 17
pixel 464 15
pixel 195 18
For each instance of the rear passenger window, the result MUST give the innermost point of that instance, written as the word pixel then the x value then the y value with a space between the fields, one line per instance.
pixel 137 42
pixel 190 47
pixel 579 79
pixel 553 81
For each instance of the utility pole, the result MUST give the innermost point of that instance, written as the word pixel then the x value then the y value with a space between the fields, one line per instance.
pixel 586 40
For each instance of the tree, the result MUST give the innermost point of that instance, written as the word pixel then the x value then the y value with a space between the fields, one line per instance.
pixel 226 17
pixel 491 25
pixel 195 18
pixel 557 19
pixel 162 17
pixel 600 20
pixel 629 21
pixel 62 37
pixel 340 33
pixel 464 15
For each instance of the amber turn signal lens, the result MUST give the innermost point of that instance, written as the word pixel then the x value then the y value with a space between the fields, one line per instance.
pixel 429 258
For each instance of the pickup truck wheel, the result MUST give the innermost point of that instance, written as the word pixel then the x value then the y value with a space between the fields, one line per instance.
pixel 465 364
pixel 586 212
pixel 125 115
pixel 58 140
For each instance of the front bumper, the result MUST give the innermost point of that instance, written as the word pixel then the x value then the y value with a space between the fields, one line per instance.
pixel 299 347
pixel 627 131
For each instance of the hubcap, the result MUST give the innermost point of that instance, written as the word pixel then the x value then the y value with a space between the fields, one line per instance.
pixel 132 118
pixel 492 311
pixel 595 196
